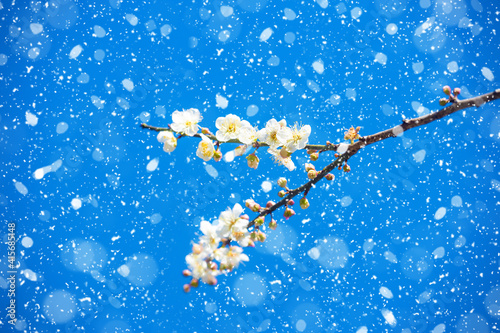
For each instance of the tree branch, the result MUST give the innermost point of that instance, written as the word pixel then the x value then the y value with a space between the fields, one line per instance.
pixel 368 140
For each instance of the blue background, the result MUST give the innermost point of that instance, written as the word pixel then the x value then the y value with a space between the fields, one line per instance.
pixel 412 231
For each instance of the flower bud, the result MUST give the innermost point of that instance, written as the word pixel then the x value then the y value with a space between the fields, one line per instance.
pixel 245 217
pixel 197 248
pixel 285 153
pixel 443 101
pixel 195 283
pixel 261 237
pixel 259 221
pixel 186 272
pixel 205 131
pixel 217 155
pixel 240 150
pixel 304 203
pixel 186 288
pixel 347 168
pixel 311 174
pixel 213 266
pixel 273 224
pixel 270 204
pixel 447 90
pixel 251 243
pixel 314 156
pixel 281 194
pixel 309 166
pixel 456 91
pixel 329 176
pixel 211 280
pixel 256 208
pixel 253 235
pixel 288 213
pixel 253 161
pixel 291 202
pixel 249 203
pixel 282 182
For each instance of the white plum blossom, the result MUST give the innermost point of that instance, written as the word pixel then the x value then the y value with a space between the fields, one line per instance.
pixel 269 134
pixel 229 127
pixel 286 161
pixel 168 139
pixel 294 138
pixel 230 221
pixel 197 265
pixel 248 135
pixel 206 148
pixel 186 122
pixel 231 257
pixel 210 238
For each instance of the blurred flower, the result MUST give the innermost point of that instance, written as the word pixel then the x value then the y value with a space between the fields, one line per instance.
pixel 230 221
pixel 210 238
pixel 231 257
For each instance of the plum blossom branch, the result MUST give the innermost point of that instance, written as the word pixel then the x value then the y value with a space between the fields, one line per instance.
pixel 215 253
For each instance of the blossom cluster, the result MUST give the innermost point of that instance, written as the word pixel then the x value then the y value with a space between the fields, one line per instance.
pixel 214 253
pixel 281 140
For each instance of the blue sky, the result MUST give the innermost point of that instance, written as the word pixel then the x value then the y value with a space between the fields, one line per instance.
pixel 406 242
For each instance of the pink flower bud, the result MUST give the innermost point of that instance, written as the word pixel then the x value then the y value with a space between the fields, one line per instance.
pixel 347 168
pixel 456 91
pixel 304 203
pixel 311 174
pixel 291 202
pixel 253 161
pixel 240 150
pixel 282 182
pixel 443 101
pixel 211 280
pixel 447 90
pixel 270 204
pixel 314 156
pixel 259 221
pixel 281 194
pixel 249 203
pixel 285 153
pixel 197 248
pixel 261 236
pixel 288 213
pixel 186 288
pixel 194 283
pixel 255 208
pixel 309 167
pixel 217 155
pixel 245 217
pixel 329 176
pixel 186 272
pixel 273 224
